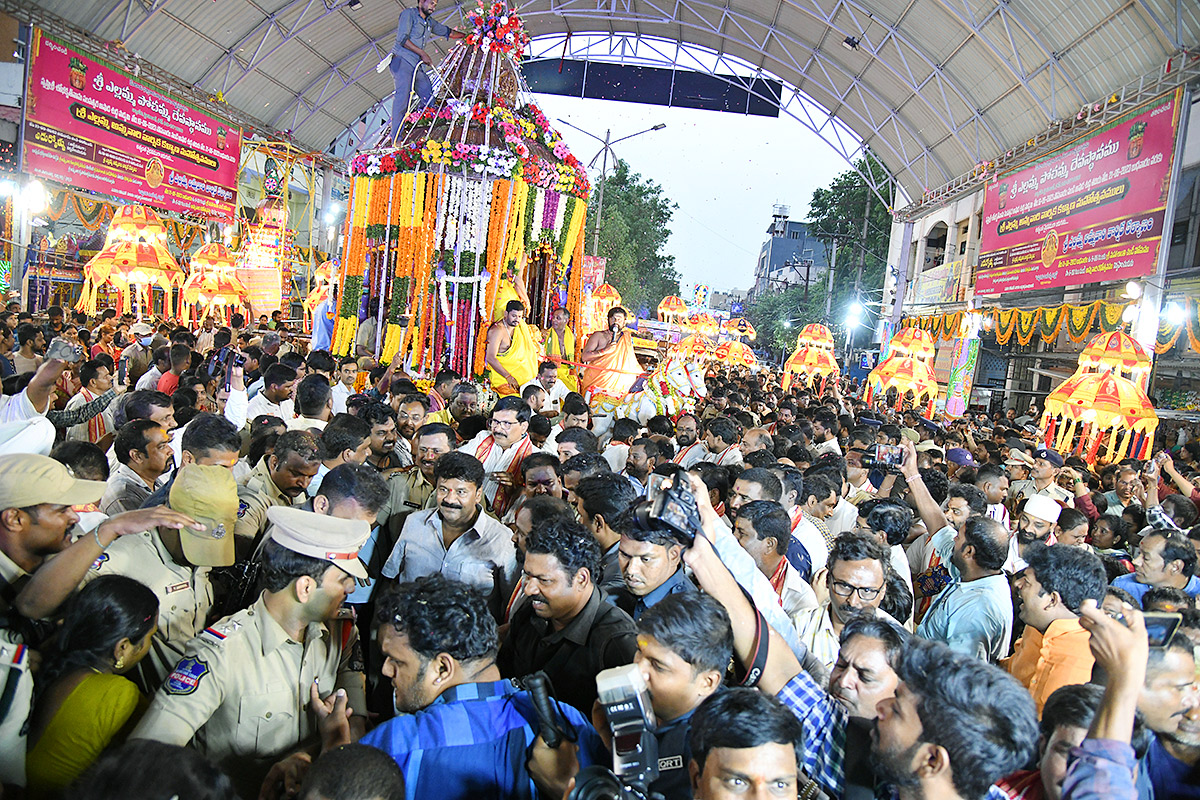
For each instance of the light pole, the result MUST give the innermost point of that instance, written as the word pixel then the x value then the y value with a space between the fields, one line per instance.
pixel 606 147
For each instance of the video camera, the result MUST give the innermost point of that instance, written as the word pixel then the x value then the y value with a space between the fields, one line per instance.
pixel 674 506
pixel 225 360
pixel 626 700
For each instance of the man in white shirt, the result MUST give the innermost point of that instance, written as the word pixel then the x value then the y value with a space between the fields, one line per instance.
pixel 501 451
pixel 347 375
pixel 275 399
pixel 547 378
pixel 314 404
pixel 204 337
pixel 762 529
pixel 992 480
pixel 856 583
pixel 689 448
pixel 161 363
pixel 722 440
pixel 824 436
pixel 96 380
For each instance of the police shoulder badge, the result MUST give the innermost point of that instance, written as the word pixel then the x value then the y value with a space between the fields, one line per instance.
pixel 186 677
pixel 100 561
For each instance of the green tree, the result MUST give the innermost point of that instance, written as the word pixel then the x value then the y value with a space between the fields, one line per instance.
pixel 633 237
pixel 836 213
pixel 850 212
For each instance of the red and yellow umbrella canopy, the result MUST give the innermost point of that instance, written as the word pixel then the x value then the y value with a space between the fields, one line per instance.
pixel 1093 404
pixel 693 348
pixel 1116 352
pixel 703 323
pixel 606 294
pixel 912 342
pixel 814 335
pixel 906 375
pixel 739 327
pixel 808 364
pixel 735 354
pixel 134 223
pixel 128 265
pixel 214 288
pixel 672 309
pixel 213 256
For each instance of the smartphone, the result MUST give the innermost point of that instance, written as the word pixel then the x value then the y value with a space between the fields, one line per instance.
pixel 1161 627
pixel 889 455
pixel 122 370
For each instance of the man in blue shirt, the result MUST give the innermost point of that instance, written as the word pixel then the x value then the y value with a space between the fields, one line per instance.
pixel 413 32
pixel 651 559
pixel 1165 559
pixel 464 732
pixel 974 614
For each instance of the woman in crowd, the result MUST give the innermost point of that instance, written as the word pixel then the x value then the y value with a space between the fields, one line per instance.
pixel 84 703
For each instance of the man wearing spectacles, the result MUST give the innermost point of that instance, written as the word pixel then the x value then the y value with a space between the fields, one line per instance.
pixel 855 579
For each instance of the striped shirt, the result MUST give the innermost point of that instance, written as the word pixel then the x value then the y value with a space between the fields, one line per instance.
pixel 472 742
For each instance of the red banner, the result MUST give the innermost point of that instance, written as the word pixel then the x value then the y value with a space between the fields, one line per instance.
pixel 92 126
pixel 1091 211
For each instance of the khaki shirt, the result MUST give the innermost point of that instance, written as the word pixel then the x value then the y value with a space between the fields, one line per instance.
pixel 185 597
pixel 1027 488
pixel 408 491
pixel 241 692
pixel 256 494
pixel 12 581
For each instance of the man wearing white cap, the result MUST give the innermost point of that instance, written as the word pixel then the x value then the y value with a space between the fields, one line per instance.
pixel 175 564
pixel 1036 524
pixel 37 495
pixel 241 695
pixel 139 355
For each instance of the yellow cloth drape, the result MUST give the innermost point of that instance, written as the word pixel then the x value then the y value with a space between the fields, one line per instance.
pixel 521 359
pixel 613 373
pixel 563 348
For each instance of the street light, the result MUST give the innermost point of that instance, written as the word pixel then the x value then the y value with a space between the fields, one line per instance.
pixel 607 142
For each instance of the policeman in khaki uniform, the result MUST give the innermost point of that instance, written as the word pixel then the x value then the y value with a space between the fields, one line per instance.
pixel 175 564
pixel 242 692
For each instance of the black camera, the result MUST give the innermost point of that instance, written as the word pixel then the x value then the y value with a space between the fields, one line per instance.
pixel 673 506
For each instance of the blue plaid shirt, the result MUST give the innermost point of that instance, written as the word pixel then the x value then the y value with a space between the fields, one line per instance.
pixel 472 742
pixel 824 723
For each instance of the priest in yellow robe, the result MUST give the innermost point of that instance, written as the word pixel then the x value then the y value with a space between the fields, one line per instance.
pixel 612 366
pixel 560 346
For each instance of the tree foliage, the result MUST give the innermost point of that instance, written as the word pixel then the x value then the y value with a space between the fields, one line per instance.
pixel 633 237
pixel 836 212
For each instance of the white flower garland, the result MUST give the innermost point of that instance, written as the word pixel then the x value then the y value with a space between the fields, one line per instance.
pixel 559 214
pixel 538 198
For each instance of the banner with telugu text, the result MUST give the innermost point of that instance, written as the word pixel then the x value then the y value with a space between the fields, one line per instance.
pixel 1090 211
pixel 93 126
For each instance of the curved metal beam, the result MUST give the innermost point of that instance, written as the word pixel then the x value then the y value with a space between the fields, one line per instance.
pixel 901 126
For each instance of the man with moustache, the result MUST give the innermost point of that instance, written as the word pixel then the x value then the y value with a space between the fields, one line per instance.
pixel 409 417
pixel 566 629
pixel 501 451
pixel 457 538
pixel 687 437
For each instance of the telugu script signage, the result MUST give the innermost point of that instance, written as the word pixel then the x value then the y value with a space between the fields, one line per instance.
pixel 93 126
pixel 1091 211
pixel 945 283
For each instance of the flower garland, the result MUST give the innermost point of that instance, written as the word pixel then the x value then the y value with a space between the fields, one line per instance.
pixel 1026 323
pixel 1080 319
pixel 1006 322
pixel 353 264
pixel 1050 322
pixel 498 29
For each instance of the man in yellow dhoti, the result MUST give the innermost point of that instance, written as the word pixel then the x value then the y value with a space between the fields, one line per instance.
pixel 612 366
pixel 560 346
pixel 512 354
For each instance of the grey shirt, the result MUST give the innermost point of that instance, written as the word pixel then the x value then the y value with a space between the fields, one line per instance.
pixel 418 29
pixel 484 557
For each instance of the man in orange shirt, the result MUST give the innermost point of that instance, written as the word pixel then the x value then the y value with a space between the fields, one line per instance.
pixel 1054 651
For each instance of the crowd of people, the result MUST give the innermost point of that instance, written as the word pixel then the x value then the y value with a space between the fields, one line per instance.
pixel 233 568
